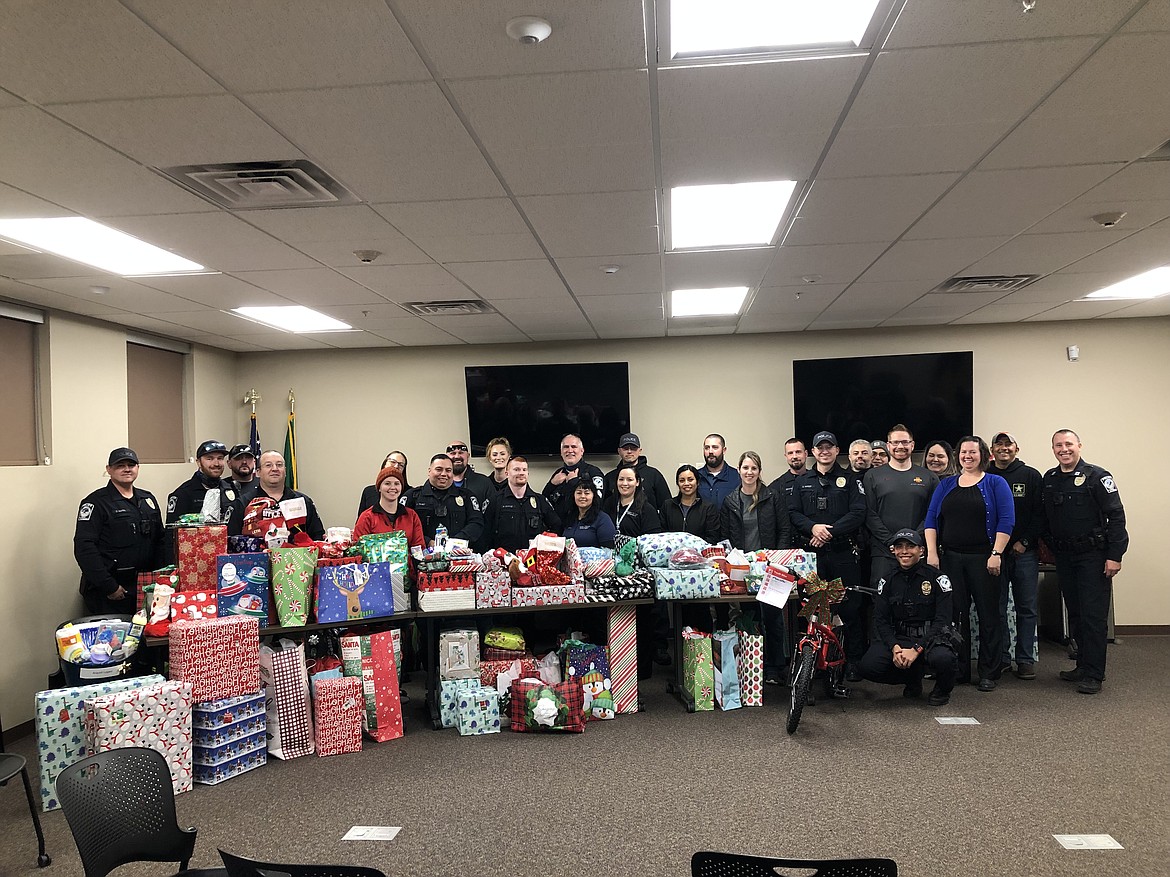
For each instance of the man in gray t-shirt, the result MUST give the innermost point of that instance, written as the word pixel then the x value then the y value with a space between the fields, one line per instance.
pixel 897 496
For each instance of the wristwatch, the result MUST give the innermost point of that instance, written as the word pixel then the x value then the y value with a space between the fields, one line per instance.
pixel 995 553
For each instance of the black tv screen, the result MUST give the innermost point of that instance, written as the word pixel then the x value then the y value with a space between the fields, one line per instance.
pixel 534 405
pixel 863 396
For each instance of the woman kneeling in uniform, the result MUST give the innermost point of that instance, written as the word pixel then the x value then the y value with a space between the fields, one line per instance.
pixel 912 619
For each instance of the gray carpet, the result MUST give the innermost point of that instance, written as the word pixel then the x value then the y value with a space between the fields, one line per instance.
pixel 874 775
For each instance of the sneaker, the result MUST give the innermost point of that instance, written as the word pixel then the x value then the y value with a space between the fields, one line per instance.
pixel 939 698
pixel 662 657
pixel 772 679
pixel 986 685
pixel 1073 675
pixel 1088 685
pixel 913 689
pixel 1025 671
pixel 403 696
pixel 852 674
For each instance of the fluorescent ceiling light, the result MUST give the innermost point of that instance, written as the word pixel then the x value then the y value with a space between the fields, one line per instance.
pixel 1151 284
pixel 92 243
pixel 723 301
pixel 701 27
pixel 292 318
pixel 738 214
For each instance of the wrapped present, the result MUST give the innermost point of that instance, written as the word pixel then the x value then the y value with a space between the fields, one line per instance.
pixel 385 547
pixel 60 728
pixel 750 667
pixel 292 578
pixel 725 664
pixel 593 555
pixel 622 651
pixel 698 669
pixel 459 654
pixel 337 716
pixel 194 606
pixel 589 665
pixel 354 591
pixel 371 657
pixel 495 653
pixel 572 563
pixel 490 670
pixel 286 699
pixel 465 563
pixel 446 581
pixel 598 569
pixel 535 706
pixel 655 548
pixel 511 638
pixel 478 711
pixel 225 750
pixel 445 601
pixel 548 595
pixel 218 657
pixel 153 717
pixel 213 714
pixel 214 773
pixel 245 544
pixel 242 584
pixel 493 589
pixel 449 692
pixel 197 548
pixel 637 585
pixel 686 584
pixel 800 563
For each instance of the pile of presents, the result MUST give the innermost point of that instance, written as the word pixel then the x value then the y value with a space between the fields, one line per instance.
pixel 504 683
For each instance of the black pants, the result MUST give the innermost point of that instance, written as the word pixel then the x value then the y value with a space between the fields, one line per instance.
pixel 843 565
pixel 775 641
pixel 878 666
pixel 1086 592
pixel 100 604
pixel 970 580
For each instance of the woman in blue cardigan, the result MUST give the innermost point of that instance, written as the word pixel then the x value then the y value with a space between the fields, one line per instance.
pixel 968 526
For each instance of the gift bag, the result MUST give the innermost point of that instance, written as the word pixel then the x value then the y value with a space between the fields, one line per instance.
pixel 750 667
pixel 285 682
pixel 535 706
pixel 242 587
pixel 725 662
pixel 370 657
pixel 337 716
pixel 354 591
pixel 197 548
pixel 193 606
pixel 698 669
pixel 385 547
pixel 589 665
pixel 292 577
pixel 549 551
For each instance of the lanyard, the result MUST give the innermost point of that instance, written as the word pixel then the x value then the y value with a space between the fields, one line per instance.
pixel 622 515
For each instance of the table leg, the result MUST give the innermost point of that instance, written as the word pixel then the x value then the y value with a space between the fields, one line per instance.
pixel 432 696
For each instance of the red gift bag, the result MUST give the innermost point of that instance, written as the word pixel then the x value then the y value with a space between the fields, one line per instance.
pixel 535 706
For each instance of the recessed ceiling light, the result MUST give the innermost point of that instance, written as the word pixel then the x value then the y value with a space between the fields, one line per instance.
pixel 92 243
pixel 700 27
pixel 1151 284
pixel 723 301
pixel 292 318
pixel 736 214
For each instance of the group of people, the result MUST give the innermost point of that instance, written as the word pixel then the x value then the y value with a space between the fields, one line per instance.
pixel 964 527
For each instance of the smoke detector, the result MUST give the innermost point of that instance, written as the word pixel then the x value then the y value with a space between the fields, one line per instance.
pixel 528 29
pixel 1108 220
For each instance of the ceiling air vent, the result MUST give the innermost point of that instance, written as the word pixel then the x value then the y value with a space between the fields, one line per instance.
pixel 463 308
pixel 988 283
pixel 261 185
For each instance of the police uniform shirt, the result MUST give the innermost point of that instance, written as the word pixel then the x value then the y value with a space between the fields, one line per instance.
pixel 511 522
pixel 455 508
pixel 835 499
pixel 1083 511
pixel 187 499
pixel 912 604
pixel 561 496
pixel 115 537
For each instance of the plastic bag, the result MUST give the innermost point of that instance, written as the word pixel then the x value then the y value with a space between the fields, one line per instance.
pixel 626 557
pixel 688 558
pixel 549 668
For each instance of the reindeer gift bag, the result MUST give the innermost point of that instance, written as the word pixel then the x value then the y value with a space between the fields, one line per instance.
pixel 353 592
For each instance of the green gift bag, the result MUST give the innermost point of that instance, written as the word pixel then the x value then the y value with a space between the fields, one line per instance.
pixel 292 583
pixel 699 669
pixel 385 547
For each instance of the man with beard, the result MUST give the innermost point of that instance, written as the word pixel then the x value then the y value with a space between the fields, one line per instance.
pixel 187 498
pixel 439 501
pixel 466 477
pixel 559 490
pixel 897 496
pixel 796 456
pixel 717 480
pixel 879 454
pixel 517 513
pixel 653 483
pixel 242 462
pixel 860 455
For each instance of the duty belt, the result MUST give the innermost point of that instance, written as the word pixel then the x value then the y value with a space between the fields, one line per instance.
pixel 915 630
pixel 1084 542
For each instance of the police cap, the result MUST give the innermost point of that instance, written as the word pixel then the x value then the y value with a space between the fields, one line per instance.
pixel 821 437
pixel 907 535
pixel 238 451
pixel 117 455
pixel 210 447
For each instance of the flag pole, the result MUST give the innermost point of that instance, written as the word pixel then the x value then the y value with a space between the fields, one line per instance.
pixel 252 397
pixel 290 445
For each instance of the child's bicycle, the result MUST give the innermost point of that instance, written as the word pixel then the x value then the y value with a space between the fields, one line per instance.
pixel 821 648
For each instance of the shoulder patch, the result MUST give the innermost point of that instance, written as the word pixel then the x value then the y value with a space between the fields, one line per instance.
pixel 860 487
pixel 881 585
pixel 599 483
pixel 1107 483
pixel 475 503
pixel 85 512
pixel 944 584
pixel 172 502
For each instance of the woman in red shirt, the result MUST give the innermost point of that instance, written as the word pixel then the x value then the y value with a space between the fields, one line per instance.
pixel 387 515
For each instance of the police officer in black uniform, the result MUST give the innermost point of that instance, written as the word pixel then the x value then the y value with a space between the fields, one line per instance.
pixel 440 502
pixel 826 508
pixel 187 498
pixel 560 487
pixel 518 513
pixel 119 533
pixel 1084 525
pixel 242 461
pixel 912 621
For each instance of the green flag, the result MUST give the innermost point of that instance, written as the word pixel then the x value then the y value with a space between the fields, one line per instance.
pixel 290 453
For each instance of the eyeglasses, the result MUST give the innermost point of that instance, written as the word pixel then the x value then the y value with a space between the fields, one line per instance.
pixel 451 449
pixel 901 444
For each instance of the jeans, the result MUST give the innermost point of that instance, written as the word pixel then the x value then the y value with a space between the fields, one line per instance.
pixel 1022 575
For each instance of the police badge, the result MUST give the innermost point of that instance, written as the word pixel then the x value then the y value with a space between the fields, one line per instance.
pixel 926 589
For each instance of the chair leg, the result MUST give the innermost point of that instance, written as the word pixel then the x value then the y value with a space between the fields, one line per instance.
pixel 43 860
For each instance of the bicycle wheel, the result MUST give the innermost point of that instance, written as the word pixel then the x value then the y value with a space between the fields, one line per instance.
pixel 801 681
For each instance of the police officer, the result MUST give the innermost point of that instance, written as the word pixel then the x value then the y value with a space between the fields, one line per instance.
pixel 518 513
pixel 559 490
pixel 912 621
pixel 1084 524
pixel 827 507
pixel 187 498
pixel 246 483
pixel 119 533
pixel 440 502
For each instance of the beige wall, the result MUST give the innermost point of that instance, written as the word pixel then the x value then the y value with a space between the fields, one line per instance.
pixel 38 576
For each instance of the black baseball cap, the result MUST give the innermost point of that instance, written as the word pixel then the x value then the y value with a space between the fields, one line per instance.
pixel 631 439
pixel 877 444
pixel 825 437
pixel 241 451
pixel 907 535
pixel 210 447
pixel 117 455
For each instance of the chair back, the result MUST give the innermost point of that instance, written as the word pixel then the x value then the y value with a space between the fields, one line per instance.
pixel 120 806
pixel 238 866
pixel 709 864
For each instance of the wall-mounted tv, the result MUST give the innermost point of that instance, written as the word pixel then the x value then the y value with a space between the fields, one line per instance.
pixel 534 405
pixel 863 396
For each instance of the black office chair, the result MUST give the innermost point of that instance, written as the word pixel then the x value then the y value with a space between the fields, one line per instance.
pixel 238 866
pixel 11 765
pixel 120 806
pixel 709 864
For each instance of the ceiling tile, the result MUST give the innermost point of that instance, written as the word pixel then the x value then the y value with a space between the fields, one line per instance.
pixel 486 229
pixel 884 299
pixel 214 290
pixel 123 294
pixel 773 323
pixel 634 329
pixel 15 204
pixel 1057 288
pixel 1133 255
pixel 809 299
pixel 38 297
pixel 528 279
pixel 1076 310
pixel 932 261
pixel 1003 313
pixel 1155 15
pixel 857 151
pixel 23 264
pixel 282 341
pixel 833 324
pixel 717 268
pixel 835 263
pixel 564 133
pixel 943 22
pixel 346 340
pixel 1142 181
pixel 401 283
pixel 585 334
pixel 932 318
pixel 865 209
pixel 393 247
pixel 517 309
pixel 270 44
pixel 1045 253
pixel 217 240
pixel 1076 216
pixel 296 225
pixel 421 335
pixel 612 308
pixel 312 287
pixel 636 274
pixel 384 142
pixel 1156 307
pixel 224 343
pixel 607 223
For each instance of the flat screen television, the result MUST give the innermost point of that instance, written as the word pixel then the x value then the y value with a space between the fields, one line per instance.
pixel 863 396
pixel 534 405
